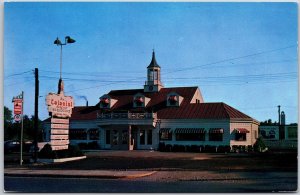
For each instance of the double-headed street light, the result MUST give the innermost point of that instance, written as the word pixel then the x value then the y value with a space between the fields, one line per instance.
pixel 68 39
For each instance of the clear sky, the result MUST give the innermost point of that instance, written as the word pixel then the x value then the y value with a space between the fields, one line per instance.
pixel 243 54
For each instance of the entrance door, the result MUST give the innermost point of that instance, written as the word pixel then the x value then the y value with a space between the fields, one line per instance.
pixel 119 139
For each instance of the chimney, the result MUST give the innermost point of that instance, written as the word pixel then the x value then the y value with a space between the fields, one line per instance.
pixel 87 103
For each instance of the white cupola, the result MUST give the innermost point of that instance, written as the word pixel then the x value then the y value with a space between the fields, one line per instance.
pixel 153 83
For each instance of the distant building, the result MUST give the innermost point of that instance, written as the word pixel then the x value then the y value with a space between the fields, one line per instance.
pixel 143 118
pixel 280 136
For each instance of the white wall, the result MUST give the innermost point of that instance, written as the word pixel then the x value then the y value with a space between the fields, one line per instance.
pixel 250 137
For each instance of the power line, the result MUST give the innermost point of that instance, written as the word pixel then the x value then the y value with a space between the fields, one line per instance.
pixel 230 59
pixel 256 63
pixel 16 74
pixel 193 67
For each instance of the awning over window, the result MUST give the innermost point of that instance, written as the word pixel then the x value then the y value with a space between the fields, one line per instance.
pixel 165 130
pixel 189 130
pixel 93 131
pixel 241 130
pixel 216 130
pixel 77 131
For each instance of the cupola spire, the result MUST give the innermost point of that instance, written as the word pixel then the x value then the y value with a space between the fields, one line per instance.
pixel 153 83
pixel 153 62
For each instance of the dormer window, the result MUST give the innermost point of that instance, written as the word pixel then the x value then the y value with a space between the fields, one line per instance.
pixel 106 101
pixel 174 99
pixel 139 100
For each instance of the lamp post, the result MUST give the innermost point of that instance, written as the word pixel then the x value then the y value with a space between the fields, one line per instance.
pixel 57 42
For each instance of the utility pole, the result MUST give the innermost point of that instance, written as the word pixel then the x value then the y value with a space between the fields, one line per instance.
pixel 36 111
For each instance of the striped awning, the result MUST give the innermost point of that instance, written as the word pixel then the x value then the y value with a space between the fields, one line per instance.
pixel 93 131
pixel 77 131
pixel 241 130
pixel 216 130
pixel 189 130
pixel 165 130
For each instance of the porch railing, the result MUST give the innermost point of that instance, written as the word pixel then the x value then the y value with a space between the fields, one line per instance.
pixel 126 116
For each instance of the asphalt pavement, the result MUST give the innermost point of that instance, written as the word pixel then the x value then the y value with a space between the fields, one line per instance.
pixel 277 172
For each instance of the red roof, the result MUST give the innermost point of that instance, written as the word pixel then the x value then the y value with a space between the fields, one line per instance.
pixel 158 104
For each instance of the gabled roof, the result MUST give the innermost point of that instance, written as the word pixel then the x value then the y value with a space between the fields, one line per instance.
pixel 158 105
pixel 157 99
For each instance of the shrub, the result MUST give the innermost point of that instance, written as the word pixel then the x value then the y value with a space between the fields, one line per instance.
pixel 47 152
pixel 259 145
pixel 181 148
pixel 169 148
pixel 74 150
pixel 175 148
pixel 161 147
pixel 93 145
pixel 82 146
pixel 250 148
pixel 209 148
pixel 188 148
pixel 194 148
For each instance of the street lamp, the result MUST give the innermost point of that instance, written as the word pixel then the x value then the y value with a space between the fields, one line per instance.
pixel 57 42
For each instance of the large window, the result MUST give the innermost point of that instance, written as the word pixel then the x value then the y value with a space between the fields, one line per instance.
pixel 215 136
pixel 240 137
pixel 150 76
pixel 94 134
pixel 155 75
pixel 77 134
pixel 190 137
pixel 165 135
pixel 107 137
pixel 149 137
pixel 125 137
pixel 142 137
pixel 115 138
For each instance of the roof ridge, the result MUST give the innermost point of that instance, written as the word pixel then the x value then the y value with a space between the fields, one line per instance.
pixel 226 111
pixel 179 87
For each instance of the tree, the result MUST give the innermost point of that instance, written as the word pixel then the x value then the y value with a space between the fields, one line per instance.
pixel 268 122
pixel 7 115
pixel 12 130
pixel 8 119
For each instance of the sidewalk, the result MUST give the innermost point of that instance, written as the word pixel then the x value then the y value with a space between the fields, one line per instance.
pixel 104 174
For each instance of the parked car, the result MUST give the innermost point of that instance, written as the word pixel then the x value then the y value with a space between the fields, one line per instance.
pixel 14 146
pixel 11 146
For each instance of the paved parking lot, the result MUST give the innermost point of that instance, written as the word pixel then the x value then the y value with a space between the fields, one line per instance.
pixel 191 172
pixel 154 160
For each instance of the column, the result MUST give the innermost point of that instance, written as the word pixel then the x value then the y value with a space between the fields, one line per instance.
pixel 130 147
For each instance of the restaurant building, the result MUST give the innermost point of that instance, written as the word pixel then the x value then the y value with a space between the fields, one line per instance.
pixel 134 119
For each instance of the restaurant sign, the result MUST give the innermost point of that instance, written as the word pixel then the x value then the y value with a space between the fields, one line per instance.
pixel 60 108
pixel 60 105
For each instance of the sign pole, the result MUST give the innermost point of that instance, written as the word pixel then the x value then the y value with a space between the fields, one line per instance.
pixel 21 140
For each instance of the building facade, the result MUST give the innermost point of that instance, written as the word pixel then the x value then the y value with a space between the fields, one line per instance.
pixel 142 118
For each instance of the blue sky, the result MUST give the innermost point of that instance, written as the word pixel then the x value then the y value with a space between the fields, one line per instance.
pixel 243 54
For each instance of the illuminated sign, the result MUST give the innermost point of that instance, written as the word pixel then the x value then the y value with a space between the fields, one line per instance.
pixel 60 105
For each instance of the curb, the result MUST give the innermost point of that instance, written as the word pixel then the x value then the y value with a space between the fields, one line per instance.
pixel 81 176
